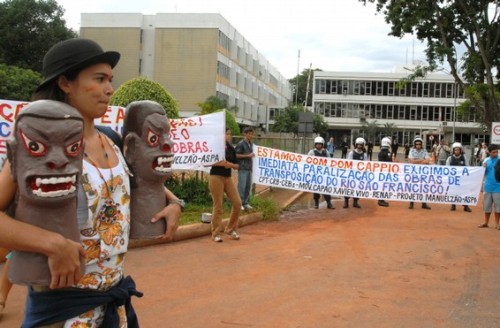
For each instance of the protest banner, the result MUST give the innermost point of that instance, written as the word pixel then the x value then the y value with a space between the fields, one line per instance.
pixel 367 179
pixel 199 141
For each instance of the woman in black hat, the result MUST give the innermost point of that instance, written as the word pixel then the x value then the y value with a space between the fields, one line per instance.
pixel 79 72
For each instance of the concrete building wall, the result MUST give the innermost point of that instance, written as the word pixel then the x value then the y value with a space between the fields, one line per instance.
pixel 185 62
pixel 194 56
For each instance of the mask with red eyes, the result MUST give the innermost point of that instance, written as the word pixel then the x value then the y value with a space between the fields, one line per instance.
pixel 46 162
pixel 148 151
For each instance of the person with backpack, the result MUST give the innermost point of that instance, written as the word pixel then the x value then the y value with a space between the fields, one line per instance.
pixel 457 158
pixel 319 150
pixel 443 152
pixel 491 195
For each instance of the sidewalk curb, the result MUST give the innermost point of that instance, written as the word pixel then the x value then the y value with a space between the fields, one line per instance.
pixel 196 230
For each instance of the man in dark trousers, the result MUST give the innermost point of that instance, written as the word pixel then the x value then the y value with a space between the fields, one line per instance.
pixel 319 150
pixel 345 147
pixel 384 156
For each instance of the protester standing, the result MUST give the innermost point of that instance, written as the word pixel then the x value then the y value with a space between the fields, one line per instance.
pixel 345 147
pixel 220 182
pixel 369 147
pixel 384 156
pixel 330 146
pixel 320 151
pixel 457 158
pixel 244 154
pixel 358 153
pixel 418 155
pixel 491 195
pixel 79 73
pixel 442 152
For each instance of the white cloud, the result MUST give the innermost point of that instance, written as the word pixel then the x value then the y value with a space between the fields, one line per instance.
pixel 333 35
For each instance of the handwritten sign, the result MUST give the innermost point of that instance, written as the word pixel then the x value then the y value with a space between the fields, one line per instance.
pixel 367 179
pixel 199 141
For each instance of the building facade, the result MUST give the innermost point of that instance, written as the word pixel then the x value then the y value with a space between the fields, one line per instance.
pixel 194 56
pixel 350 101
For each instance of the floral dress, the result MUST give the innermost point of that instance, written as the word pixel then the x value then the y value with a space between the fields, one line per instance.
pixel 104 233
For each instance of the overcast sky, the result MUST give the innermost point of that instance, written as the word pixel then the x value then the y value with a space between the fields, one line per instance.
pixel 333 35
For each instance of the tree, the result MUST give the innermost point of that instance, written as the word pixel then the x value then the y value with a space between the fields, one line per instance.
pixel 18 83
pixel 143 89
pixel 28 28
pixel 288 121
pixel 213 104
pixel 370 130
pixel 299 84
pixel 447 25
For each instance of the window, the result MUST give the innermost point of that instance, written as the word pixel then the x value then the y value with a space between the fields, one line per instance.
pixel 390 89
pixel 333 87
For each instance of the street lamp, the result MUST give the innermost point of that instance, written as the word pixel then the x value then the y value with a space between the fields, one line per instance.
pixel 455 95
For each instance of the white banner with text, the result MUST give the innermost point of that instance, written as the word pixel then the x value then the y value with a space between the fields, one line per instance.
pixel 367 179
pixel 199 141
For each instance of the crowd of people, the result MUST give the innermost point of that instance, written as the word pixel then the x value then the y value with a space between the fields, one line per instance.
pixel 78 72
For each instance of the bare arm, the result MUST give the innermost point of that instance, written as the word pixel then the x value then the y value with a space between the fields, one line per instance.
pixel 63 254
pixel 171 213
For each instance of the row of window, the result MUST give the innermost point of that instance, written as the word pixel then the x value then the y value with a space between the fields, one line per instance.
pixel 389 112
pixel 388 88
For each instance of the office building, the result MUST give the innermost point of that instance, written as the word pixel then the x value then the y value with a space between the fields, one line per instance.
pixel 425 106
pixel 194 56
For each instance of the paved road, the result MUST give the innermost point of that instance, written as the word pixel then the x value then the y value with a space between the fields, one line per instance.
pixel 377 267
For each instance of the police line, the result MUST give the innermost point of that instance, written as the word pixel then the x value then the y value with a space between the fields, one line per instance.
pixel 367 179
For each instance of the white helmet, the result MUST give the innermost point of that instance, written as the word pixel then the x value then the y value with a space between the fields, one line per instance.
pixel 386 142
pixel 456 145
pixel 418 138
pixel 318 140
pixel 360 141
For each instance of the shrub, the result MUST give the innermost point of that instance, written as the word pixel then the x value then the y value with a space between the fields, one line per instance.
pixel 143 89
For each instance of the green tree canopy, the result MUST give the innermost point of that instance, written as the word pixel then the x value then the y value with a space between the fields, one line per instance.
pixel 144 89
pixel 18 83
pixel 445 26
pixel 299 84
pixel 288 121
pixel 213 104
pixel 28 28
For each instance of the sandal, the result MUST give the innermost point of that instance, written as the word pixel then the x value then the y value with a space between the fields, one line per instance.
pixel 497 227
pixel 484 225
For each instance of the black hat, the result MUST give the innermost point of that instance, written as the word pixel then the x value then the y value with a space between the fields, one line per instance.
pixel 74 54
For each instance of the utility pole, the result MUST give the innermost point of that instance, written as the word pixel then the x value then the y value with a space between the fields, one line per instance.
pixel 297 79
pixel 307 86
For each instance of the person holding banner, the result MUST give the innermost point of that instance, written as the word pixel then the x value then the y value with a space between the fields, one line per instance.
pixel 418 155
pixel 220 182
pixel 79 72
pixel 319 150
pixel 358 153
pixel 457 158
pixel 244 154
pixel 384 156
pixel 491 196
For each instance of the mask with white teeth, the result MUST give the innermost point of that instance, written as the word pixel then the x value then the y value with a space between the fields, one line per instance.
pixel 46 160
pixel 148 151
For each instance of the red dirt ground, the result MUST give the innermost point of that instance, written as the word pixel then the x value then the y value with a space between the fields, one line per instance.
pixel 376 267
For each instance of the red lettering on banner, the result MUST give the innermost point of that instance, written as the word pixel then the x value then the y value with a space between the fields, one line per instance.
pixel 14 112
pixel 186 122
pixel 105 118
pixel 175 134
pixel 3 146
pixel 190 147
pixel 120 115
